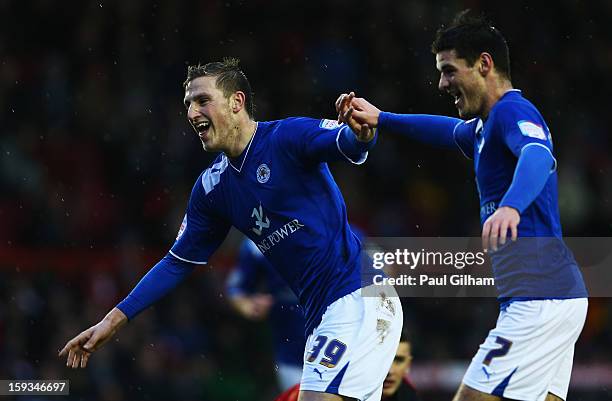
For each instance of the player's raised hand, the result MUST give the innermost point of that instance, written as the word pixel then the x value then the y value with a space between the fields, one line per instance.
pixel 359 114
pixel 343 103
pixel 495 228
pixel 359 109
pixel 344 109
pixel 78 350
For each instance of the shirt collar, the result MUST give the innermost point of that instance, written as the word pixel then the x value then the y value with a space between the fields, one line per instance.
pixel 511 92
pixel 239 161
pixel 508 93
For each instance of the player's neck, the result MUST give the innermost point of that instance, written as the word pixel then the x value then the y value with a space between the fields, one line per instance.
pixel 244 131
pixel 496 91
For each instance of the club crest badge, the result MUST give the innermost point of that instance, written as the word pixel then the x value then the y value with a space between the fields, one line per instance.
pixel 263 173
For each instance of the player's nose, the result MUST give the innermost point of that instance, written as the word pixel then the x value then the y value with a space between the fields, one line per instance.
pixel 192 112
pixel 443 84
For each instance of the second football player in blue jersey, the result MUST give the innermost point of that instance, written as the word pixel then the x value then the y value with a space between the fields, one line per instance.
pixel 528 356
pixel 271 181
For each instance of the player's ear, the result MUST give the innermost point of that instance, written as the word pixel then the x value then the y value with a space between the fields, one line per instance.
pixel 237 101
pixel 485 63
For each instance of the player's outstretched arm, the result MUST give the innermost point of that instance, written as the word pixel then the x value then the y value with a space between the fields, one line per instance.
pixel 162 278
pixel 434 130
pixel 78 350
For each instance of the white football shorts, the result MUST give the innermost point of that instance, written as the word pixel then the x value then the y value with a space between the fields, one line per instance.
pixel 350 352
pixel 530 351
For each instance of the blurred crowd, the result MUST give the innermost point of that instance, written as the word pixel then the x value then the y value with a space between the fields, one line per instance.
pixel 97 158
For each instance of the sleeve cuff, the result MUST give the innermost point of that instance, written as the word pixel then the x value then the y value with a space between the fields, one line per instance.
pixel 512 205
pixel 127 308
pixel 351 148
pixel 195 262
pixel 382 119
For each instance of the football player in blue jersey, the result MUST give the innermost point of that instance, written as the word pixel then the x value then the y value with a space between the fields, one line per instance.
pixel 528 355
pixel 257 292
pixel 271 181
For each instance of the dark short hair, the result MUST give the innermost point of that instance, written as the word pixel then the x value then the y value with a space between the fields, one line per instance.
pixel 230 79
pixel 470 36
pixel 405 337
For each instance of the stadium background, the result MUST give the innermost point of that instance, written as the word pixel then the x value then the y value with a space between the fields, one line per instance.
pixel 97 161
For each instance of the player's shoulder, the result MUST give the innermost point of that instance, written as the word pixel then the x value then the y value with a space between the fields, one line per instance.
pixel 513 105
pixel 309 123
pixel 294 132
pixel 212 175
pixel 285 126
pixel 514 113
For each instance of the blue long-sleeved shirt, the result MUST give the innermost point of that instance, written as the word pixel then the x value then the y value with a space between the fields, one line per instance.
pixel 514 166
pixel 280 193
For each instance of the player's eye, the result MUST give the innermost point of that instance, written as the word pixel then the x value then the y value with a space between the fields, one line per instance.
pixel 448 71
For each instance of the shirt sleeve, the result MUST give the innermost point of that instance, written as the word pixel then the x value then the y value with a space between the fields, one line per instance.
pixel 530 177
pixel 201 231
pixel 440 131
pixel 319 141
pixel 464 135
pixel 160 280
pixel 522 126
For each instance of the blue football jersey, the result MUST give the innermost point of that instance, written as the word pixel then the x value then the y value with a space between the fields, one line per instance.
pixel 281 194
pixel 543 266
pixel 253 273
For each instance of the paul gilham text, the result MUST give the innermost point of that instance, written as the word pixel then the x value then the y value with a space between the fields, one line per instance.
pixel 425 280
